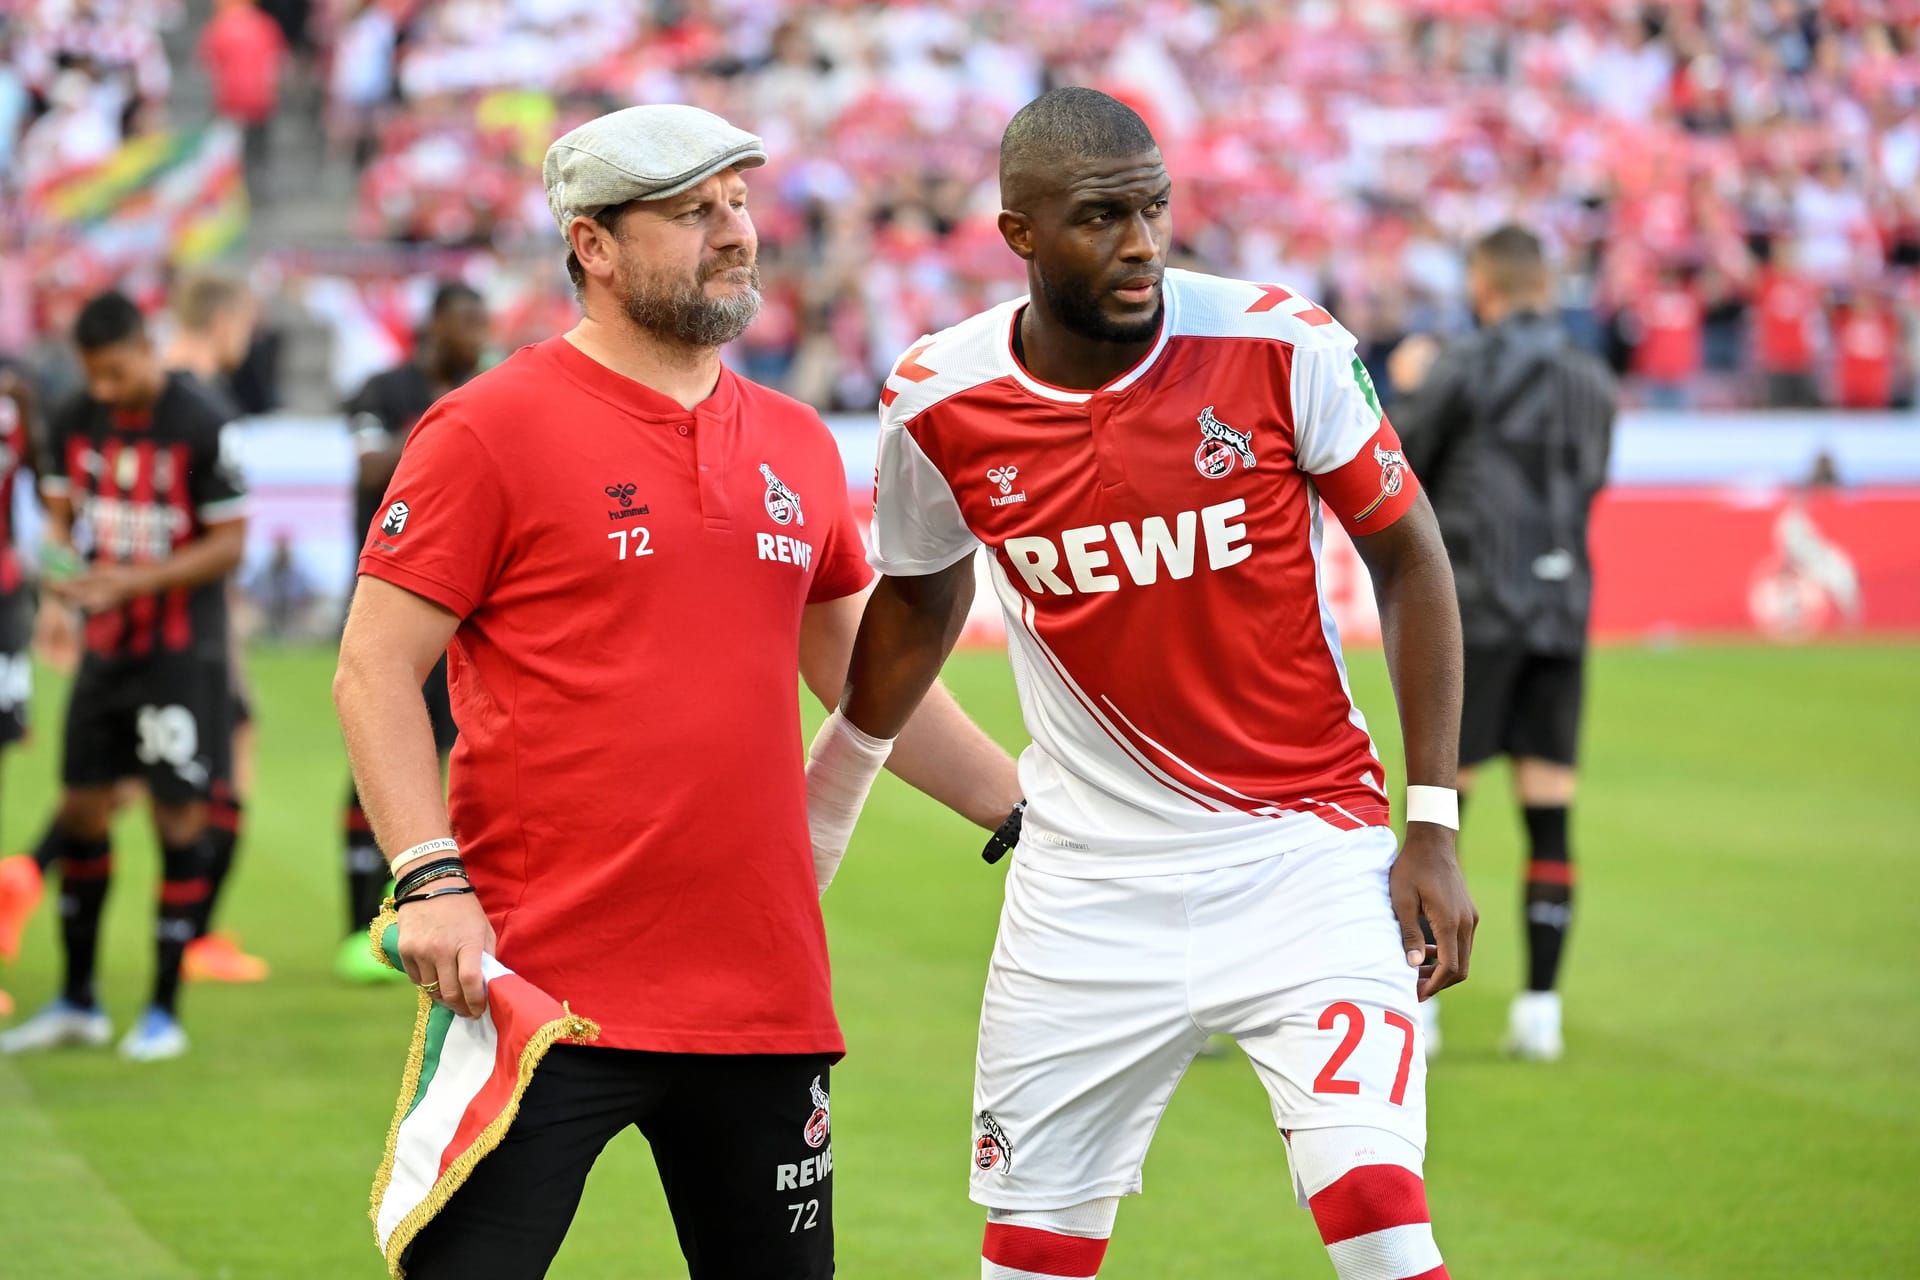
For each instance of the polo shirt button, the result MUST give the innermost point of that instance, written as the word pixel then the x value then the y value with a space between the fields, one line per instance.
pixel 685 429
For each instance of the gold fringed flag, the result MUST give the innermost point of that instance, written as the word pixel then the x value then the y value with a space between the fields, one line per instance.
pixel 462 1088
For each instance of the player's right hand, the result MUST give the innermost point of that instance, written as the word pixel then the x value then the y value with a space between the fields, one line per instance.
pixel 1426 881
pixel 440 943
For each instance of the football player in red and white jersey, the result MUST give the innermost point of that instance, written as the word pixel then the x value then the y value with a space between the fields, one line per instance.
pixel 1145 454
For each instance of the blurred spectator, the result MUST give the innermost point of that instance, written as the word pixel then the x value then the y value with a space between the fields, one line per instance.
pixel 116 43
pixel 1788 328
pixel 244 52
pixel 1837 237
pixel 1668 354
pixel 1865 336
pixel 16 103
pixel 1349 149
pixel 294 18
pixel 362 77
pixel 77 129
pixel 282 591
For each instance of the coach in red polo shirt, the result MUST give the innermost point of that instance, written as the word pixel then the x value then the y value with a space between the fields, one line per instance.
pixel 629 551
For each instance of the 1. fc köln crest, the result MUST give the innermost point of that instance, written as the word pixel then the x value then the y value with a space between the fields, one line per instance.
pixel 1393 477
pixel 783 504
pixel 991 1150
pixel 1221 446
pixel 820 1123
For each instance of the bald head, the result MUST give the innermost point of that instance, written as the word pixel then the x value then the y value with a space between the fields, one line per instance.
pixel 1058 134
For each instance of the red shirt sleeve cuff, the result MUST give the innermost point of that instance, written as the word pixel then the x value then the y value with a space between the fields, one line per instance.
pixel 840 585
pixel 449 598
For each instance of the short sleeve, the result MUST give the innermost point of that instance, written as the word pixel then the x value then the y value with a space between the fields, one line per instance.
pixel 842 567
pixel 215 481
pixel 443 532
pixel 1344 441
pixel 917 525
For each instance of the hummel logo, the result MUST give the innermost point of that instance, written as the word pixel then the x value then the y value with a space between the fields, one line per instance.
pixel 623 494
pixel 1004 477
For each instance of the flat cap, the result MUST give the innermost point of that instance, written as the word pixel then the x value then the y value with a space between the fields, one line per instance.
pixel 641 153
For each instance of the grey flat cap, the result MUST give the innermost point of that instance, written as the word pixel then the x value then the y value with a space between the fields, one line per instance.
pixel 641 153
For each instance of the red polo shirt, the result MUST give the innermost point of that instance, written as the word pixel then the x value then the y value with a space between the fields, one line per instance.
pixel 627 788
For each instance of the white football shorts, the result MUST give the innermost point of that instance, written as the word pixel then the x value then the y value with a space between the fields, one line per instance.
pixel 1102 991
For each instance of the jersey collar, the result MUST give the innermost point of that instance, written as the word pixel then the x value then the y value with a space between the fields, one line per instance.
pixel 1063 395
pixel 636 398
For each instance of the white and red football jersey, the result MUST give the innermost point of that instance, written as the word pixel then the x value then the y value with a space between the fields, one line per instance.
pixel 1156 547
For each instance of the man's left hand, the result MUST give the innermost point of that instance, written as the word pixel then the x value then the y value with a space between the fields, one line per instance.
pixel 106 586
pixel 1426 881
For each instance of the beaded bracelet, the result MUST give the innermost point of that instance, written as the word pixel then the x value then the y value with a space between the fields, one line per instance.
pixel 432 893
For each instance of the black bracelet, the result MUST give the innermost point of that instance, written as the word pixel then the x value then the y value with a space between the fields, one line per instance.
pixel 1001 842
pixel 432 893
pixel 428 871
pixel 419 882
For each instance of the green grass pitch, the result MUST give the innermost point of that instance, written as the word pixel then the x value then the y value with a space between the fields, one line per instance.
pixel 1738 1099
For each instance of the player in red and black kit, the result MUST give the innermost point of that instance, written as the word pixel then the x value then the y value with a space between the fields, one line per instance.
pixel 214 317
pixel 136 480
pixel 16 624
pixel 381 415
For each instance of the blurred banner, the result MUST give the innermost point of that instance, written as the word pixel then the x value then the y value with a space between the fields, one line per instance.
pixel 175 197
pixel 1729 525
pixel 1688 563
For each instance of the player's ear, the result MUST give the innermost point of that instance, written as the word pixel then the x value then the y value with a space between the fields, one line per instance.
pixel 592 244
pixel 1017 230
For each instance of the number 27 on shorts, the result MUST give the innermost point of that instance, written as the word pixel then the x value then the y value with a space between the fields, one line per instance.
pixel 1329 1081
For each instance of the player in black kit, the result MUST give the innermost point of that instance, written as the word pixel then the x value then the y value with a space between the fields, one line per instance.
pixel 139 485
pixel 381 415
pixel 16 626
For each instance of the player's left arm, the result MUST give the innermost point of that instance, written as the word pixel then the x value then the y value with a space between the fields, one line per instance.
pixel 1359 468
pixel 1420 625
pixel 940 751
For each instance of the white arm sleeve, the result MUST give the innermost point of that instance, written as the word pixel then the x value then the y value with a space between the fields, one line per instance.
pixel 917 525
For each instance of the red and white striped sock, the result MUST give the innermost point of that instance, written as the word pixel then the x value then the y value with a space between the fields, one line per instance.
pixel 1047 1244
pixel 1368 1199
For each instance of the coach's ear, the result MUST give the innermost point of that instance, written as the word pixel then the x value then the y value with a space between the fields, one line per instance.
pixel 1017 230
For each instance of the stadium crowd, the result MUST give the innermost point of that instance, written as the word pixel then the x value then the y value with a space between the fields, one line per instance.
pixel 1731 188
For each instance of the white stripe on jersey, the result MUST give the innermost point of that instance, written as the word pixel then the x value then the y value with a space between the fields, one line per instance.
pixel 1018 606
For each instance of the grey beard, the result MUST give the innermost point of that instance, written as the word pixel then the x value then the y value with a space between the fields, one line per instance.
pixel 685 315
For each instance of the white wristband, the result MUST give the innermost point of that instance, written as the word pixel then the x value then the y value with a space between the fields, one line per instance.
pixel 445 844
pixel 841 766
pixel 1438 805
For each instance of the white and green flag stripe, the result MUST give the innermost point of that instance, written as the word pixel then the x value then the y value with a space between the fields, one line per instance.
pixel 462 1087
